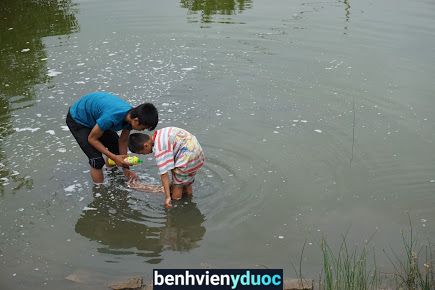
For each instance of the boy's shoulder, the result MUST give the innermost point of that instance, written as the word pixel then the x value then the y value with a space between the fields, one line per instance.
pixel 105 97
pixel 174 131
pixel 170 129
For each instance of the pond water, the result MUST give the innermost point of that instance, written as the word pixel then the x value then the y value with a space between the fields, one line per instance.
pixel 316 118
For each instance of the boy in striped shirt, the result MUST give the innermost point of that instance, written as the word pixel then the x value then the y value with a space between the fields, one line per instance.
pixel 176 151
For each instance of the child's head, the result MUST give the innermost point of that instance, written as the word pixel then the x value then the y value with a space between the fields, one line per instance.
pixel 144 116
pixel 140 143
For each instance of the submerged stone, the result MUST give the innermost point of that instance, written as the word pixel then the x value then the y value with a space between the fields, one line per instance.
pixel 130 283
pixel 81 276
pixel 298 284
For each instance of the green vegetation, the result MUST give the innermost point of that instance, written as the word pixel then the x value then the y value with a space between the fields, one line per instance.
pixel 347 269
pixel 208 8
pixel 355 268
pixel 415 270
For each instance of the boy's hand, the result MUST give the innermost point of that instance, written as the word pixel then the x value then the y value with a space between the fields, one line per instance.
pixel 168 202
pixel 132 176
pixel 119 160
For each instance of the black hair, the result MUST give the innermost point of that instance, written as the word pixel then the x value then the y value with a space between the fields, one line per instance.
pixel 147 115
pixel 136 141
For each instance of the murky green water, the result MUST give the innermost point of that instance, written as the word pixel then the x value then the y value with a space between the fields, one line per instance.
pixel 315 117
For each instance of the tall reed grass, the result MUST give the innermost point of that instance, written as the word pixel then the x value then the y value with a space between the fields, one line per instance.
pixel 355 268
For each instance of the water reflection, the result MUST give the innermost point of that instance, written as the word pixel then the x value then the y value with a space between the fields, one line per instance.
pixel 347 14
pixel 208 8
pixel 125 225
pixel 24 23
pixel 23 60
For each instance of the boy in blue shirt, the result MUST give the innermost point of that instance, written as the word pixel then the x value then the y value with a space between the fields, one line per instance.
pixel 93 121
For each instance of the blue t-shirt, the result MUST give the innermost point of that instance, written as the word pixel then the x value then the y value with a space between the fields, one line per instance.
pixel 104 109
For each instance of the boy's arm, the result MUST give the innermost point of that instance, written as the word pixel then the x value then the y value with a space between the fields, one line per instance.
pixel 123 141
pixel 167 188
pixel 123 144
pixel 93 139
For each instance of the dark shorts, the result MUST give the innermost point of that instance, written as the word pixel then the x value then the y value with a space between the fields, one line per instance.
pixel 81 133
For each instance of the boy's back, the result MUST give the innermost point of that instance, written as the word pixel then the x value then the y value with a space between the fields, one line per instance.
pixel 104 109
pixel 177 148
pixel 177 153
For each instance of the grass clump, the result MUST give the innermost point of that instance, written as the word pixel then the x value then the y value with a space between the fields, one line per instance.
pixel 353 268
pixel 414 269
pixel 347 268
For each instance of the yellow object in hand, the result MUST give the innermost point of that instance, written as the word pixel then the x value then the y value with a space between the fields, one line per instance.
pixel 132 160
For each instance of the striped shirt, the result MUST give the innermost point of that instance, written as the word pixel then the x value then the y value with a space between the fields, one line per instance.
pixel 177 148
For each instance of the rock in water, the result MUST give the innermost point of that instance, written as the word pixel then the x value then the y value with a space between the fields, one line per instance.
pixel 130 283
pixel 298 284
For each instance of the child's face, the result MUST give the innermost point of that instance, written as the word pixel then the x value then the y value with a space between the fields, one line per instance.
pixel 136 126
pixel 147 147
